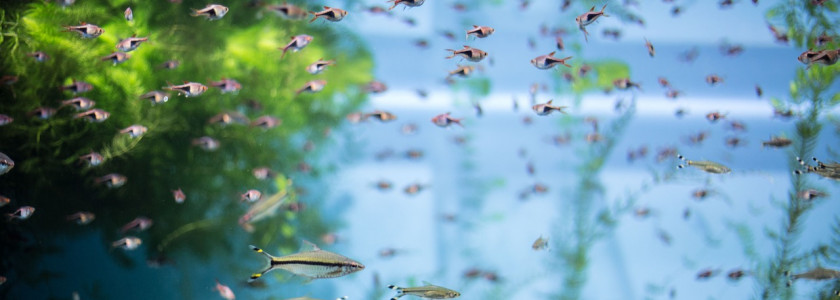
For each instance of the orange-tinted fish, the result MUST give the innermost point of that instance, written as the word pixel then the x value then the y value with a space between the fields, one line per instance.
pixel 588 18
pixel 179 196
pixel 413 189
pixel 383 116
pixel 85 30
pixel 407 3
pixel 297 43
pixel 288 11
pixel 444 120
pixel 188 88
pixel 375 87
pixel 319 66
pixel 77 87
pixel 212 11
pixel 156 97
pixel 22 213
pixel 331 14
pixel 480 31
pixel 112 180
pixel 227 85
pixel 94 115
pixel 127 243
pixel 548 61
pixel 224 291
pixel 714 116
pixel 313 86
pixel 250 196
pixel 116 57
pixel 664 82
pixel 266 122
pixel 4 200
pixel 625 83
pixel 546 108
pixel 79 103
pixel 713 79
pixel 462 71
pixel 134 131
pixel 82 217
pixel 651 51
pixel 471 54
pixel 263 173
pixel 138 224
pixel 131 44
pixel 92 159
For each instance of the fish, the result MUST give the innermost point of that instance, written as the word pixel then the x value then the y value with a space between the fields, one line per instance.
pixel 77 87
pixel 94 115
pixel 211 11
pixel 313 86
pixel 116 57
pixel 651 51
pixel 42 113
pixel 227 85
pixel 331 14
pixel 664 82
pixel 375 86
pixel 266 122
pixel 713 79
pixel 39 56
pixel 4 200
pixel 689 55
pixel 707 166
pixel 758 91
pixel 548 61
pixel 414 154
pixel 92 159
pixel 250 196
pixel 558 40
pixel 134 131
pixel 823 39
pixel 413 189
pixel 88 31
pixel 297 43
pixel 6 163
pixel 263 173
pixel 127 243
pixel 673 94
pixel 407 3
pixel 224 291
pixel 288 11
pixel 588 18
pixel 735 274
pixel 831 170
pixel 8 79
pixel 544 109
pixel 22 213
pixel 810 194
pixel 714 116
pixel 777 142
pixel 138 224
pixel 734 142
pixel 82 217
pixel 170 64
pixel 807 56
pixel 707 273
pixel 179 196
pixel 187 89
pixel 129 15
pixel 462 71
pixel 310 262
pixel 625 83
pixel 826 57
pixel 780 36
pixel 444 120
pixel 383 185
pixel 6 120
pixel 131 44
pixel 156 97
pixel 206 143
pixel 228 118
pixel 319 66
pixel 79 103
pixel 266 206
pixel 540 244
pixel 112 180
pixel 471 54
pixel 480 31
pixel 613 33
pixel 818 273
pixel 383 116
pixel 429 291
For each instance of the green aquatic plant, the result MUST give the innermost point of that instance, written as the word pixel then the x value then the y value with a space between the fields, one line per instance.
pixel 243 45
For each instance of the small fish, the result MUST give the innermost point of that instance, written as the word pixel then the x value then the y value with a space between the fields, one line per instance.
pixel 116 57
pixel 758 91
pixel 39 56
pixel 444 120
pixel 413 189
pixel 735 274
pixel 715 116
pixel 383 185
pixel 265 207
pixel 250 196
pixel 544 109
pixel 713 79
pixel 206 143
pixel 212 11
pixel 127 243
pixel 731 50
pixel 224 291
pixel 228 118
pixel 651 51
pixel 79 103
pixel 131 44
pixel 707 273
pixel 429 291
pixel 414 154
pixel 227 85
pixel 376 87
pixel 777 142
pixel 319 66
pixel 129 15
pixel 85 30
pixel 94 115
pixel 823 39
pixel 480 31
pixel 138 224
pixel 615 34
pixel 588 18
pixel 263 173
pixel 818 273
pixel 6 163
pixel 288 11
pixel 779 35
pixel 179 196
pixel 559 42
pixel 383 116
pixel 462 71
pixel 831 170
pixel 4 200
pixel 313 86
pixel 42 113
pixel 471 54
pixel 826 57
pixel 82 217
pixel 707 166
pixel 77 87
pixel 266 122
pixel 22 213
pixel 540 244
pixel 734 142
pixel 548 61
pixel 134 131
pixel 156 97
pixel 170 64
pixel 331 14
pixel 690 55
pixel 310 262
pixel 92 159
pixel 810 194
pixel 187 89
pixel 664 82
pixel 673 94
pixel 407 3
pixel 625 83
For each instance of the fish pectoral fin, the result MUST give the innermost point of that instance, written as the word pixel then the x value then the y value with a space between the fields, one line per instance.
pixel 307 246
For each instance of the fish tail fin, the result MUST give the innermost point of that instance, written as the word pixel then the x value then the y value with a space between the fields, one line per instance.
pixel 396 288
pixel 314 17
pixel 258 250
pixel 603 8
pixel 453 53
pixel 194 12
pixel 392 6
pixel 563 61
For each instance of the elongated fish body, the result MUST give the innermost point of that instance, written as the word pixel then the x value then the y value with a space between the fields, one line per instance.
pixel 310 262
pixel 313 86
pixel 706 166
pixel 22 213
pixel 94 115
pixel 407 3
pixel 830 170
pixel 548 61
pixel 134 131
pixel 5 119
pixel 543 109
pixel 188 89
pixel 297 43
pixel 79 103
pixel 87 31
pixel 462 71
pixel 92 159
pixel 818 273
pixel 319 66
pixel 212 11
pixel 331 14
pixel 6 163
pixel 428 291
pixel 156 97
pixel 471 54
pixel 77 87
pixel 112 180
pixel 288 11
pixel 131 44
pixel 480 31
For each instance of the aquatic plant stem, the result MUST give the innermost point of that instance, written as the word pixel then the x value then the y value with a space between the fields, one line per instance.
pixel 183 230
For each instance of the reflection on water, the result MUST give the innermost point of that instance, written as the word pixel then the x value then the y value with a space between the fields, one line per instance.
pixel 453 205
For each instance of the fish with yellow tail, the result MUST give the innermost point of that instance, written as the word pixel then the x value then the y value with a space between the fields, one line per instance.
pixel 310 262
pixel 429 291
pixel 706 166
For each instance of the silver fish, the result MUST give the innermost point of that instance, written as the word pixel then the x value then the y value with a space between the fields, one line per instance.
pixel 588 18
pixel 82 217
pixel 296 44
pixel 546 108
pixel 85 30
pixel 134 131
pixel 117 57
pixel 707 166
pixel 211 11
pixel 313 86
pixel 129 15
pixel 548 61
pixel 112 180
pixel 480 31
pixel 288 11
pixel 94 115
pixel 319 66
pixel 127 243
pixel 188 88
pixel 227 85
pixel 5 119
pixel 156 97
pixel 92 159
pixel 206 143
pixel 429 291
pixel 6 163
pixel 79 103
pixel 22 213
pixel 131 44
pixel 471 54
pixel 407 3
pixel 310 262
pixel 331 14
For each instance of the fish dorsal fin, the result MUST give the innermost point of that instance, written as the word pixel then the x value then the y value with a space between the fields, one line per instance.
pixel 475 26
pixel 308 246
pixel 427 283
pixel 549 103
pixel 466 47
pixel 593 8
pixel 552 53
pixel 327 7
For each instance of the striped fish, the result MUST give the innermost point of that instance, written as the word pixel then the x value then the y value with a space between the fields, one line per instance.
pixel 310 262
pixel 429 291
